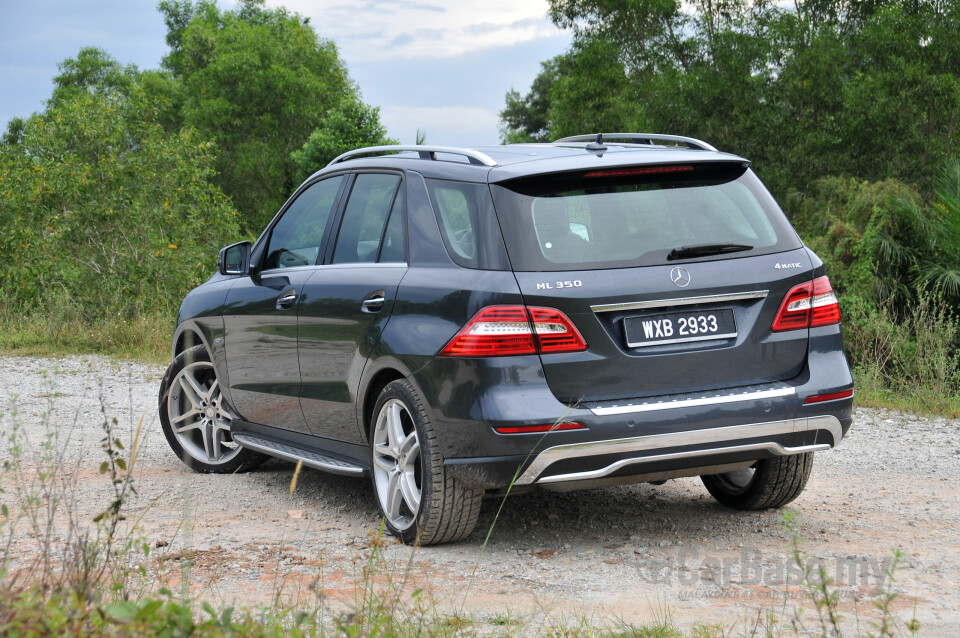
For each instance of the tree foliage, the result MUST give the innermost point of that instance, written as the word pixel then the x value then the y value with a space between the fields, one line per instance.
pixel 525 119
pixel 258 81
pixel 352 124
pixel 115 198
pixel 937 265
pixel 868 89
pixel 101 208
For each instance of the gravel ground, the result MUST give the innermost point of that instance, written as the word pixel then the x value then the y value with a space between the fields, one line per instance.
pixel 616 553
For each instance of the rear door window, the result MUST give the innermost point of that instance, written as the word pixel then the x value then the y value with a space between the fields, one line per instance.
pixel 393 248
pixel 365 218
pixel 584 223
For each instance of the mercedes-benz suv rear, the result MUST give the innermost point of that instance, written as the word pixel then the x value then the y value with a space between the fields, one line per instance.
pixel 569 315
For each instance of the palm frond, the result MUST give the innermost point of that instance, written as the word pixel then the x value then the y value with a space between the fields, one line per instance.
pixel 942 279
pixel 945 212
pixel 891 250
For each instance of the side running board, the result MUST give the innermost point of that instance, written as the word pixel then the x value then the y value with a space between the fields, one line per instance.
pixel 309 458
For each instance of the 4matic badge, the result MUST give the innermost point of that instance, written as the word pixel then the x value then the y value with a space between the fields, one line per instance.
pixel 791 265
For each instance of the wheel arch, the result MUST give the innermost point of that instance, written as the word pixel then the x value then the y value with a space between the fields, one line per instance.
pixel 185 338
pixel 378 381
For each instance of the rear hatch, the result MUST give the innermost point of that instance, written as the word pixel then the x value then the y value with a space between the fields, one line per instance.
pixel 673 275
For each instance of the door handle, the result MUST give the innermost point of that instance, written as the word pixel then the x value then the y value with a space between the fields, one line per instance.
pixel 286 300
pixel 373 302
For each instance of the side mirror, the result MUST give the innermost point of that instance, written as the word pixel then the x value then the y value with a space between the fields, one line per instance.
pixel 234 259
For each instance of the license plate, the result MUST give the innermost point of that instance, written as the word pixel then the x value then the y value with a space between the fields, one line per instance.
pixel 679 327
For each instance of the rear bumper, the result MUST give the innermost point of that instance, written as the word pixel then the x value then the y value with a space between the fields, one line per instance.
pixel 646 439
pixel 710 445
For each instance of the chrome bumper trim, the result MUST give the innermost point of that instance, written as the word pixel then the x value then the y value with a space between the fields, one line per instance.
pixel 681 301
pixel 654 442
pixel 694 403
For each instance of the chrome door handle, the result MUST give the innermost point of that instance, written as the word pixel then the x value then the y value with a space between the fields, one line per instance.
pixel 287 300
pixel 373 302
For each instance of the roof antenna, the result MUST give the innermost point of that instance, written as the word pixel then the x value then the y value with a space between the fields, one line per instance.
pixel 597 145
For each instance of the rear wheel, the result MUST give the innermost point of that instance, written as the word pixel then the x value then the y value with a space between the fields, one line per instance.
pixel 419 502
pixel 196 419
pixel 768 483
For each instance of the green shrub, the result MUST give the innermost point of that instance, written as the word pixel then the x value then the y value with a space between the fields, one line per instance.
pixel 862 232
pixel 104 211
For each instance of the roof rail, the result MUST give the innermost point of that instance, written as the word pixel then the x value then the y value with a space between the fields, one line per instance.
pixel 641 138
pixel 426 152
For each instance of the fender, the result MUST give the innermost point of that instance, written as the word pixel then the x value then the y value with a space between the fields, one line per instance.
pixel 381 368
pixel 201 322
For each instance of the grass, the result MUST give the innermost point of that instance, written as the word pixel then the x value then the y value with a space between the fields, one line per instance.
pixel 871 394
pixel 144 338
pixel 907 361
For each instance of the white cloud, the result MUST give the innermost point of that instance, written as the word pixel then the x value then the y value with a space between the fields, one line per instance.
pixel 369 30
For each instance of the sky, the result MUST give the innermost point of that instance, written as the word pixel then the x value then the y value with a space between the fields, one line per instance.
pixel 440 66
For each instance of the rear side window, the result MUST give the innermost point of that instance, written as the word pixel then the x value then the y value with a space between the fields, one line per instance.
pixel 468 224
pixel 596 222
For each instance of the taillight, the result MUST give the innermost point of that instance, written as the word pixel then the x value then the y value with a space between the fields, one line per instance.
pixel 554 331
pixel 808 305
pixel 511 330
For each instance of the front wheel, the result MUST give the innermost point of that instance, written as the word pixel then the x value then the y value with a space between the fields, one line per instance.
pixel 419 502
pixel 768 483
pixel 196 420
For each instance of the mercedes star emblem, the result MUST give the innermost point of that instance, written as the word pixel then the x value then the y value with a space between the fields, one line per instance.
pixel 680 277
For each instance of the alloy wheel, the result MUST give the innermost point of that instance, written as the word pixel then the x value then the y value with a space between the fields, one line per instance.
pixel 396 464
pixel 199 418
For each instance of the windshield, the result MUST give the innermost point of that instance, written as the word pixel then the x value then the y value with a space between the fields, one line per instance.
pixel 599 221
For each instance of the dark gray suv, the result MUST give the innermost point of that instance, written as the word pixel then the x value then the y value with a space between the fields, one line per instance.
pixel 461 322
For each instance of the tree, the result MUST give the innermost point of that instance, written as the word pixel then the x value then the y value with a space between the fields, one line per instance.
pixel 582 91
pixel 258 81
pixel 592 93
pixel 525 118
pixel 352 124
pixel 95 72
pixel 103 211
pixel 938 265
pixel 92 71
pixel 864 88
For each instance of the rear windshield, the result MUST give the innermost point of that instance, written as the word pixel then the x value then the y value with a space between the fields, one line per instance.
pixel 622 220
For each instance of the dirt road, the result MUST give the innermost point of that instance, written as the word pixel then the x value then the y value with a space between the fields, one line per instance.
pixel 630 553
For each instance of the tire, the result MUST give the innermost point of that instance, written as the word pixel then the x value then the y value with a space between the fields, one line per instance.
pixel 196 419
pixel 420 503
pixel 769 483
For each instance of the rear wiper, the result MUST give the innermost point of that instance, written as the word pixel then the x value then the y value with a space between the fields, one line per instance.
pixel 702 250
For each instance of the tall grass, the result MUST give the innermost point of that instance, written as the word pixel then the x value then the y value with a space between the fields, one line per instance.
pixel 145 337
pixel 907 359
